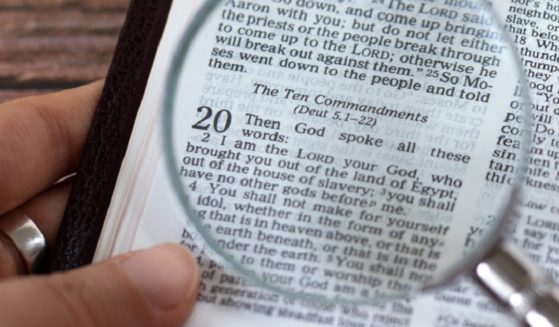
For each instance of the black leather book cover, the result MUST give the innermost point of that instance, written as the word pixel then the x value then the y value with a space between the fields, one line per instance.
pixel 109 135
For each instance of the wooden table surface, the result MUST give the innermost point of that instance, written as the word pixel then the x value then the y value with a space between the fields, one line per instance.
pixel 48 45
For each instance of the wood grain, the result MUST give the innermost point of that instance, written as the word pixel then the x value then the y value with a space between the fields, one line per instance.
pixel 47 45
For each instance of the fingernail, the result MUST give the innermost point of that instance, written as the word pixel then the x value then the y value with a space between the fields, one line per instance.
pixel 167 274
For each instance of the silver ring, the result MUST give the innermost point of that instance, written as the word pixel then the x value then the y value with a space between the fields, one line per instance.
pixel 26 237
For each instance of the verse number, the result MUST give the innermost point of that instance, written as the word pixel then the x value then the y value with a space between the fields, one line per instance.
pixel 206 137
pixel 220 123
pixel 520 39
pixel 432 73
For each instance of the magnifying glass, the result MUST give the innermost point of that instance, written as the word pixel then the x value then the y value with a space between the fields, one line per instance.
pixel 355 151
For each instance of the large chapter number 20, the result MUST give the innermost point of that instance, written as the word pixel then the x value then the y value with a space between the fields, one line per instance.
pixel 221 120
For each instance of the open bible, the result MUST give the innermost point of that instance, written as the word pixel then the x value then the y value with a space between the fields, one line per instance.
pixel 144 209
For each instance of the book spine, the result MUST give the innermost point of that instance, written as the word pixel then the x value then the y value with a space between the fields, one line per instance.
pixel 114 120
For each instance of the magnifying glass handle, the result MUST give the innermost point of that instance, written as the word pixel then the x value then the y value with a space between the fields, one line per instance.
pixel 515 281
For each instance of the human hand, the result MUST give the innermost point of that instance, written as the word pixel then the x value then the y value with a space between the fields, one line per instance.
pixel 41 140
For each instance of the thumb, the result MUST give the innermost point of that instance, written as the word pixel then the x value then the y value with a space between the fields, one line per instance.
pixel 155 287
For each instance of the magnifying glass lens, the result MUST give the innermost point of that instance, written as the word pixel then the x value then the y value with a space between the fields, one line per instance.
pixel 351 151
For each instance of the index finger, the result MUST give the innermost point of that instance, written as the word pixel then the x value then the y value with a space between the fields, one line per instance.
pixel 41 140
